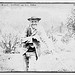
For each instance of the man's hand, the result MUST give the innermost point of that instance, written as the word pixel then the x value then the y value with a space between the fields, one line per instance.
pixel 36 37
pixel 27 39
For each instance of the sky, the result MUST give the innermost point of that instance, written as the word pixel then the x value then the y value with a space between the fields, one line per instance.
pixel 50 14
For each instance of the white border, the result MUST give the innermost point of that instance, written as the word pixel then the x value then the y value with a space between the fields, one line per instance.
pixel 37 0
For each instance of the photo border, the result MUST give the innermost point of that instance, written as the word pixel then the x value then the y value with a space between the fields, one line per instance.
pixel 36 3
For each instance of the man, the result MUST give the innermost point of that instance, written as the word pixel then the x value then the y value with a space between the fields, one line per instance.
pixel 37 31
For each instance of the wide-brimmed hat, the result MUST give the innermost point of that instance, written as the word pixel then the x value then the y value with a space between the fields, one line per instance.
pixel 34 18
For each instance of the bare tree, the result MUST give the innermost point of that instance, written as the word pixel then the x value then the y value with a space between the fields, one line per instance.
pixel 70 27
pixel 9 42
pixel 71 22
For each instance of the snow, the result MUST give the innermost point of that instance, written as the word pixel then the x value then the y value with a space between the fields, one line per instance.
pixel 62 58
pixel 12 62
pixel 56 62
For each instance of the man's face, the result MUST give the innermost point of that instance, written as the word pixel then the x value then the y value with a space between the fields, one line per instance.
pixel 34 24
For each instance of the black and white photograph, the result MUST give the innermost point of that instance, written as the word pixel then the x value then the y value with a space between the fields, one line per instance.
pixel 37 37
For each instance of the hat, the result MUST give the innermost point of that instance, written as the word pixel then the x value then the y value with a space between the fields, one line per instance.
pixel 34 18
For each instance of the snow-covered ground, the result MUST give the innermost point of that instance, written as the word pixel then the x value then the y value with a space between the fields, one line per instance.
pixel 56 62
pixel 12 62
pixel 62 58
